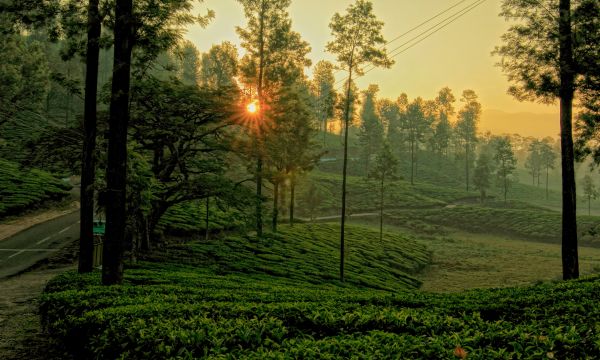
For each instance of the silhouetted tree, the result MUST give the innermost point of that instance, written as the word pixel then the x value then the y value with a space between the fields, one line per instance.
pixel 357 42
pixel 386 166
pixel 505 163
pixel 549 53
pixel 589 190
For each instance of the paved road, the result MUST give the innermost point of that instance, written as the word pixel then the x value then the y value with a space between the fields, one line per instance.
pixel 19 252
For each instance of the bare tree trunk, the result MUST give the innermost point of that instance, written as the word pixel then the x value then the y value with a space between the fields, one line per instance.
pixel 381 212
pixel 259 162
pixel 345 169
pixel 412 162
pixel 467 165
pixel 547 171
pixel 275 205
pixel 207 222
pixel 570 258
pixel 116 172
pixel 292 200
pixel 88 163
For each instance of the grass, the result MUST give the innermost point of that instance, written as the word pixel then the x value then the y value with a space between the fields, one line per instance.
pixel 24 189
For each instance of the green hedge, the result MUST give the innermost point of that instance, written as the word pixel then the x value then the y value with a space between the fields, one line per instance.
pixel 24 189
pixel 181 314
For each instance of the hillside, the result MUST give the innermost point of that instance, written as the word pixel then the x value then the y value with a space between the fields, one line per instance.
pixel 26 189
pixel 269 300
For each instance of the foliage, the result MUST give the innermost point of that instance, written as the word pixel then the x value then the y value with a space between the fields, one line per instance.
pixel 370 133
pixel 182 131
pixel 168 310
pixel 533 65
pixel 24 189
pixel 505 163
pixel 482 175
pixel 219 66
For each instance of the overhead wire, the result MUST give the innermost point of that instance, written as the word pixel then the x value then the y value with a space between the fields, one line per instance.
pixel 421 36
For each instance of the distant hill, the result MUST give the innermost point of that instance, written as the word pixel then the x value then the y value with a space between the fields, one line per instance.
pixel 523 123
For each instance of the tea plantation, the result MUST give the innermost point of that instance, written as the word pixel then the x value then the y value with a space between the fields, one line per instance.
pixel 23 189
pixel 278 298
pixel 525 223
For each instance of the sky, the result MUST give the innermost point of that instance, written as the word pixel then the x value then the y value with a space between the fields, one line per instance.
pixel 458 56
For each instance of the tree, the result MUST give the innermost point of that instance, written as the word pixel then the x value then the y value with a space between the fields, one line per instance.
pixel 551 52
pixel 311 199
pixel 482 175
pixel 505 162
pixel 357 42
pixel 548 158
pixel 289 148
pixel 466 127
pixel 185 130
pixel 416 125
pixel 386 166
pixel 443 129
pixel 189 58
pixel 271 47
pixel 534 161
pixel 397 126
pixel 116 173
pixel 370 133
pixel 323 88
pixel 88 163
pixel 589 190
pixel 219 66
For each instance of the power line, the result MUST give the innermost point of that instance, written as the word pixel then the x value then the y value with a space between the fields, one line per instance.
pixel 417 26
pixel 428 33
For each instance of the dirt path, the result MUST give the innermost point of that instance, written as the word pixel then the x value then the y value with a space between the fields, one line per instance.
pixel 20 333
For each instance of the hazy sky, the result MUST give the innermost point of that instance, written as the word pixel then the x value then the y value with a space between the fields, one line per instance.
pixel 457 56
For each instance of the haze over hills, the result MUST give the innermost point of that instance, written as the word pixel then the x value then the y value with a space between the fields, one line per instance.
pixel 523 123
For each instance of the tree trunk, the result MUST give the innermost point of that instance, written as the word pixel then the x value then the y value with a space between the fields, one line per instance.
pixel 292 200
pixel 116 172
pixel 261 69
pixel 207 222
pixel 589 205
pixel 275 205
pixel 345 168
pixel 570 259
pixel 467 165
pixel 547 171
pixel 381 211
pixel 88 163
pixel 412 162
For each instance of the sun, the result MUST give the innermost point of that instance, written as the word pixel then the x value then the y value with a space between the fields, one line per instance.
pixel 252 108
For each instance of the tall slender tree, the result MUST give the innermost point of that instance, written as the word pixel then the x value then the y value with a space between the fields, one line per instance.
pixel 551 52
pixel 385 169
pixel 548 157
pixel 323 89
pixel 112 267
pixel 370 132
pixel 466 127
pixel 88 163
pixel 271 46
pixel 357 42
pixel 505 163
pixel 589 190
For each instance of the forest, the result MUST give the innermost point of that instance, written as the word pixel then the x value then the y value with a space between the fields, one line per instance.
pixel 253 201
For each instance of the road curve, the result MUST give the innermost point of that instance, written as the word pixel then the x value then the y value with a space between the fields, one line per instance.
pixel 25 249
